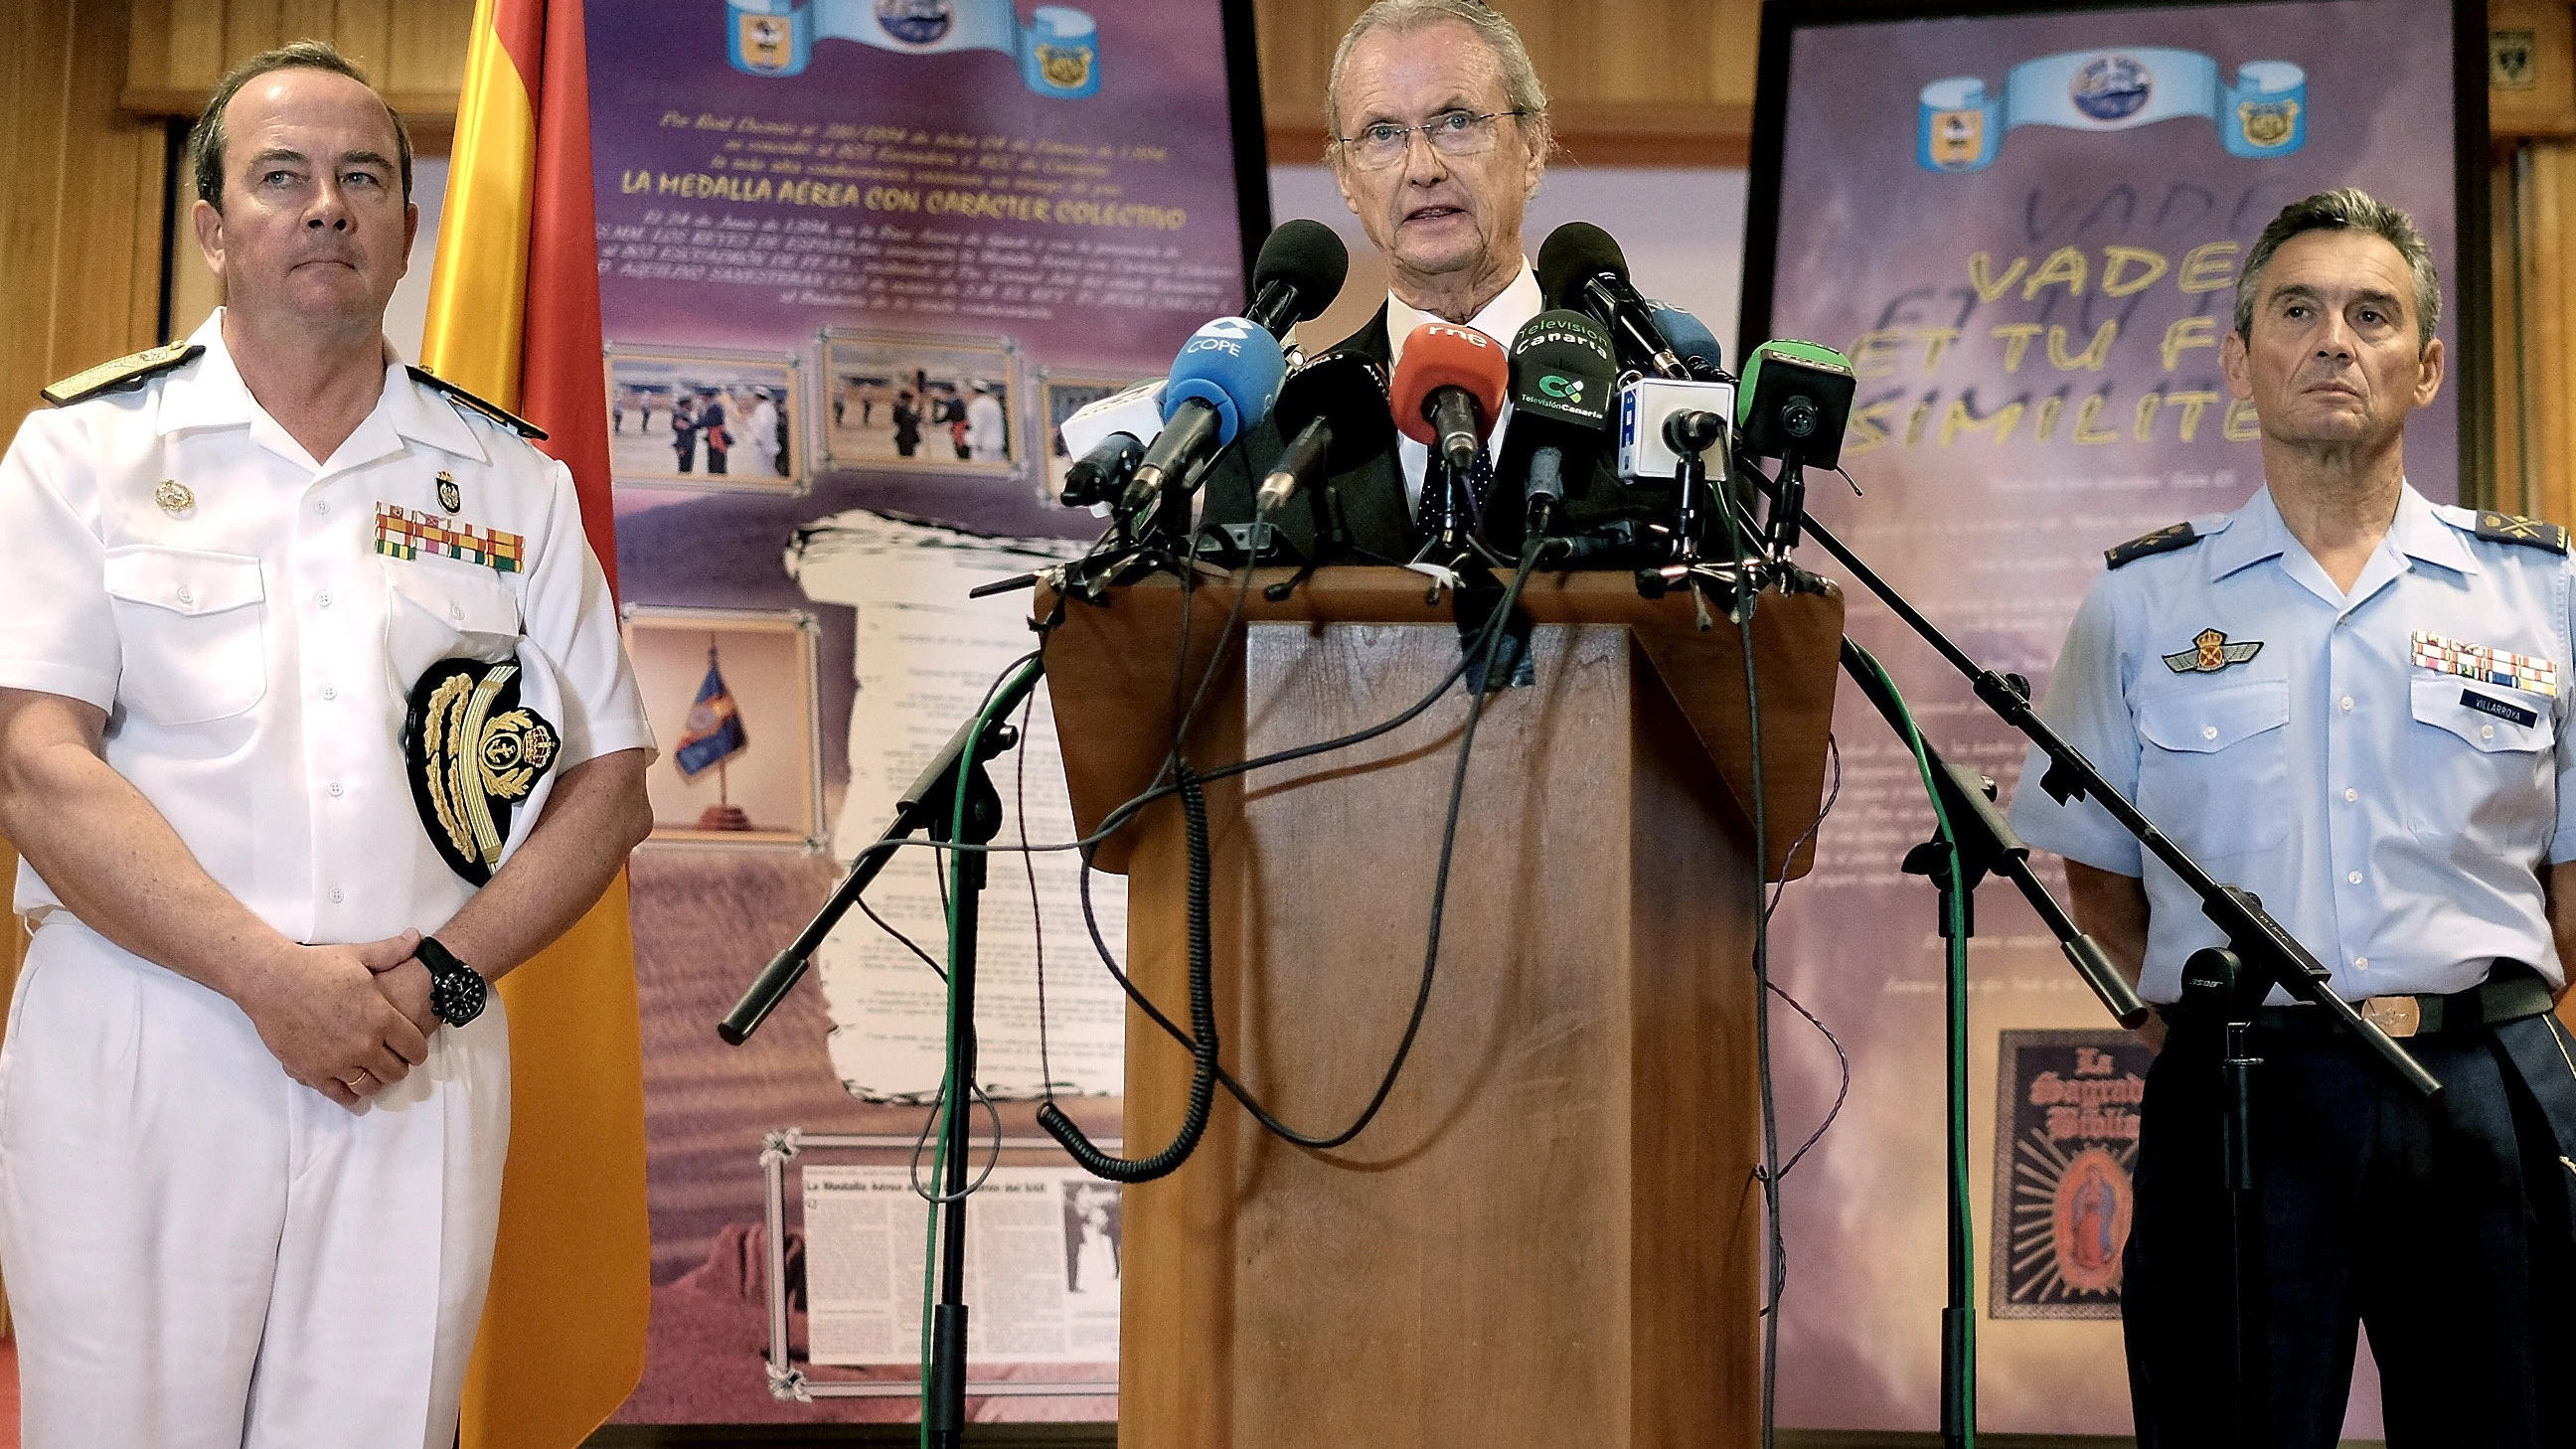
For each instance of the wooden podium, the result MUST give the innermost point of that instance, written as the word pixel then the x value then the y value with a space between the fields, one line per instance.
pixel 1551 1235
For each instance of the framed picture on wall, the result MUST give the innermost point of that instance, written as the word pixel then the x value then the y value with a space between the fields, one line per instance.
pixel 733 700
pixel 705 418
pixel 937 404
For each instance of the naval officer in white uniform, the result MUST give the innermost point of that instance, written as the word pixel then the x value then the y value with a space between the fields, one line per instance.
pixel 306 657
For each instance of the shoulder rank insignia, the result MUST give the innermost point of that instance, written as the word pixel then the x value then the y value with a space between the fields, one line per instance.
pixel 2210 652
pixel 124 373
pixel 474 753
pixel 2164 540
pixel 2529 532
pixel 460 396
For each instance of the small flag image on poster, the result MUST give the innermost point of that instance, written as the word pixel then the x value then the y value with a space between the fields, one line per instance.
pixel 706 675
pixel 715 736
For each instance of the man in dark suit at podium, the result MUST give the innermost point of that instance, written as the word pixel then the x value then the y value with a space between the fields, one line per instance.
pixel 1440 135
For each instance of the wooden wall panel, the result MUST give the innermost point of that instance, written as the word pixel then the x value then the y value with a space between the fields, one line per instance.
pixel 1630 82
pixel 414 49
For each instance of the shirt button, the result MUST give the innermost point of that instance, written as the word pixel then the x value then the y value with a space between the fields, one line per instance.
pixel 2486 732
pixel 2353 878
pixel 456 612
pixel 335 794
pixel 187 595
pixel 2209 732
pixel 2347 701
pixel 321 507
pixel 325 601
pixel 335 895
pixel 329 692
pixel 2349 793
pixel 2360 963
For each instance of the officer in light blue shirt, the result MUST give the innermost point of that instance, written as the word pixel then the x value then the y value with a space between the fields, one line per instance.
pixel 2352 703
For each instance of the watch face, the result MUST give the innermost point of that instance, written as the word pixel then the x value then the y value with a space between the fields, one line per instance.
pixel 456 994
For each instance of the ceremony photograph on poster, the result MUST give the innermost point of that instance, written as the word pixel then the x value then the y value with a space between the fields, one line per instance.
pixel 934 403
pixel 952 201
pixel 2024 231
pixel 733 695
pixel 713 420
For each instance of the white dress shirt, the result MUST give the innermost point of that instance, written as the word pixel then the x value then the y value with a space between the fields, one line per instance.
pixel 180 561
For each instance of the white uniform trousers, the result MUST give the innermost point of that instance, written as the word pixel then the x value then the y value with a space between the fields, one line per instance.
pixel 201 1252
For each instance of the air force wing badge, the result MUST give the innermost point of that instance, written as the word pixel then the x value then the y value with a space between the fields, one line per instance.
pixel 476 753
pixel 2210 652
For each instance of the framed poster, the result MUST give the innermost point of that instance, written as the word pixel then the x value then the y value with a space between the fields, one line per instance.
pixel 849 199
pixel 2023 224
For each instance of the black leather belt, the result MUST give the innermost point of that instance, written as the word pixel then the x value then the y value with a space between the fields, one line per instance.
pixel 2511 992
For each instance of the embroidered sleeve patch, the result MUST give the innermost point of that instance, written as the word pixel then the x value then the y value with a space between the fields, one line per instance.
pixel 2485 665
pixel 409 533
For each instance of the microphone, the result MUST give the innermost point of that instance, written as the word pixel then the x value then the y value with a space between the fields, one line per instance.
pixel 1692 342
pixel 1449 381
pixel 1563 374
pixel 1796 402
pixel 1579 266
pixel 1334 413
pixel 1297 275
pixel 1225 379
pixel 1099 475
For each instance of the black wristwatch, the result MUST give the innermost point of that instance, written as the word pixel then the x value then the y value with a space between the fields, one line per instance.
pixel 456 991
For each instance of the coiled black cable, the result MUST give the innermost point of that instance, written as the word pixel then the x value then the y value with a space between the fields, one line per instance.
pixel 1203 1045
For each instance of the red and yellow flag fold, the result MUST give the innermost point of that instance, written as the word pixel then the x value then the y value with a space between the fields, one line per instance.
pixel 514 317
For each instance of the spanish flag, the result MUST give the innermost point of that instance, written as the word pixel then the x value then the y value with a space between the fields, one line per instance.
pixel 514 317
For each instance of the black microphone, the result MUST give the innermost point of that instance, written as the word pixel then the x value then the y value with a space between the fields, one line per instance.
pixel 1297 275
pixel 1579 266
pixel 1335 415
pixel 1100 475
pixel 1563 380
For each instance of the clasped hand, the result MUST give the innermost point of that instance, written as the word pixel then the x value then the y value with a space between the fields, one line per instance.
pixel 346 1020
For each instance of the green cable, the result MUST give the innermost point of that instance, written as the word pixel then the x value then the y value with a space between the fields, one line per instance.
pixel 1955 932
pixel 950 1085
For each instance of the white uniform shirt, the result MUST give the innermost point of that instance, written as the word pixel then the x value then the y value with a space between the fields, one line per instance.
pixel 2390 796
pixel 1502 320
pixel 255 649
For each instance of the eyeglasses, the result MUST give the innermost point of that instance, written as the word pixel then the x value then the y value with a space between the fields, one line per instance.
pixel 1451 133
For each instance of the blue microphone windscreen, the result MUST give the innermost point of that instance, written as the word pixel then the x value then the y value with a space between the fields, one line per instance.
pixel 1689 336
pixel 1232 365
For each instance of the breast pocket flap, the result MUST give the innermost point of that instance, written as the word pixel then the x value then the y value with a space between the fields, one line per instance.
pixel 2488 717
pixel 2205 721
pixel 183 581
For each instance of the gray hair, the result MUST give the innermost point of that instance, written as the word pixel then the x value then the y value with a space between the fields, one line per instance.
pixel 206 139
pixel 2350 209
pixel 1402 17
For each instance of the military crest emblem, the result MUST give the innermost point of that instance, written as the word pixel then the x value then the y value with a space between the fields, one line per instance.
pixel 2112 88
pixel 1067 67
pixel 173 497
pixel 475 753
pixel 2267 123
pixel 450 497
pixel 916 22
pixel 1958 138
pixel 2210 652
pixel 762 42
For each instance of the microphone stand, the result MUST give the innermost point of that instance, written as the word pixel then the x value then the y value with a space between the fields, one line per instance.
pixel 2260 955
pixel 932 804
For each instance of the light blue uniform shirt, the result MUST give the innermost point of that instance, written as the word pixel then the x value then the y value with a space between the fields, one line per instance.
pixel 2392 814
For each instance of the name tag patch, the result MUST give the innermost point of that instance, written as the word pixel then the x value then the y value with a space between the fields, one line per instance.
pixel 409 533
pixel 2485 665
pixel 2485 704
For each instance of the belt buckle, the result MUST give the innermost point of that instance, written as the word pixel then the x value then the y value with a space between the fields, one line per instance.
pixel 2398 1016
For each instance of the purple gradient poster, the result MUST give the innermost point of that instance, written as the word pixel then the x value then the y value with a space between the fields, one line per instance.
pixel 2025 232
pixel 857 259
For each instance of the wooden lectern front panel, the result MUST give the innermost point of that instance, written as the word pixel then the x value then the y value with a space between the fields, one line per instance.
pixel 1549 1234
